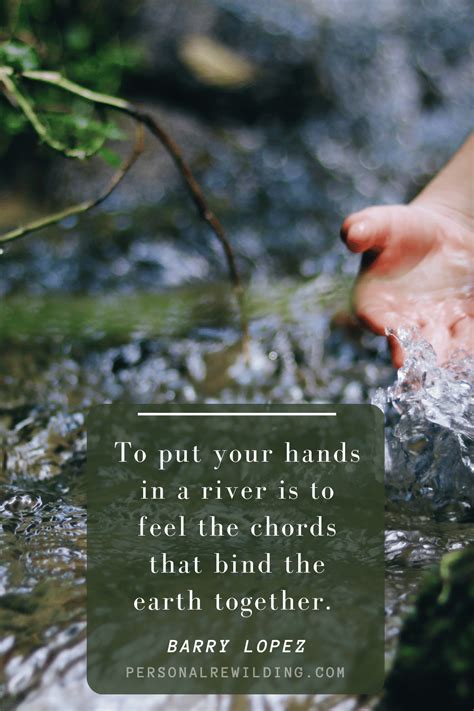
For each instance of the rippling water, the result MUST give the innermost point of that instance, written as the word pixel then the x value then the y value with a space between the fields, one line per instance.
pixel 300 356
pixel 430 411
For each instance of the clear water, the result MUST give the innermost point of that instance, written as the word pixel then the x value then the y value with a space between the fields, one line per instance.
pixel 293 358
pixel 430 416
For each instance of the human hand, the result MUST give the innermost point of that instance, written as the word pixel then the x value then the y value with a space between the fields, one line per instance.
pixel 417 270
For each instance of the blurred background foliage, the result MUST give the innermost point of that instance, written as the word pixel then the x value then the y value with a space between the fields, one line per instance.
pixel 82 41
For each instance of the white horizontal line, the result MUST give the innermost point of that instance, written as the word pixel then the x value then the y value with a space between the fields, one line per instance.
pixel 237 414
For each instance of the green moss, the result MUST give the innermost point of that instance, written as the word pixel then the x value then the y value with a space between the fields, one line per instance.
pixel 434 666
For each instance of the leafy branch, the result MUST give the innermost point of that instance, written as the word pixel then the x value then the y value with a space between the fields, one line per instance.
pixel 18 98
pixel 10 80
pixel 56 217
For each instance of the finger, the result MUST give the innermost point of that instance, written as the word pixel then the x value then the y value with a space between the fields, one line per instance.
pixel 376 322
pixel 374 319
pixel 367 229
pixel 462 333
pixel 379 311
pixel 379 321
pixel 396 351
pixel 439 336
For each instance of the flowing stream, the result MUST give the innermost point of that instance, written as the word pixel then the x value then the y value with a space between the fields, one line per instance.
pixel 297 355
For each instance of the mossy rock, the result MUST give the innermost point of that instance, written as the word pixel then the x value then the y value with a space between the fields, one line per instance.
pixel 434 665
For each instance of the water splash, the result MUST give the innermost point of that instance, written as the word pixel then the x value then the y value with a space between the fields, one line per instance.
pixel 429 433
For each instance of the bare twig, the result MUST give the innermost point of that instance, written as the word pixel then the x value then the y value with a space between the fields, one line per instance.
pixel 82 207
pixel 167 142
pixel 57 80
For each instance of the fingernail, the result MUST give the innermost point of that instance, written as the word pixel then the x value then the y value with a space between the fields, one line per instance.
pixel 359 230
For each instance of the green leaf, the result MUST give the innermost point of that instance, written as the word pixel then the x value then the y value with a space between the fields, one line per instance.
pixel 110 157
pixel 113 132
pixel 19 56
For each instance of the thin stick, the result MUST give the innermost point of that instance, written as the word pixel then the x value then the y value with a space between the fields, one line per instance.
pixel 194 189
pixel 167 142
pixel 82 207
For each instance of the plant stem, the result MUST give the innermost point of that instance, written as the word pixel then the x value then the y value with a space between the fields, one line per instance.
pixel 142 117
pixel 81 207
pixel 172 148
